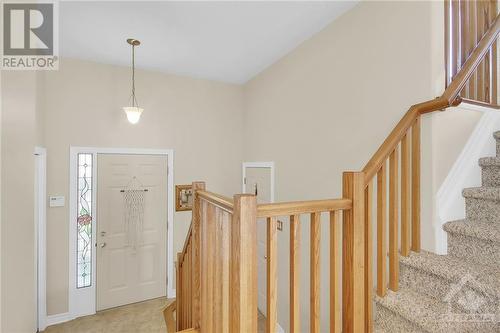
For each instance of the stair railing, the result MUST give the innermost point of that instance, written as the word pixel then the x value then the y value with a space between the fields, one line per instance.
pixel 292 212
pixel 217 269
pixel 466 22
pixel 405 137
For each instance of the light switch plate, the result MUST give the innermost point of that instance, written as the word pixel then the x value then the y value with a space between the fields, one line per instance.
pixel 280 225
pixel 56 201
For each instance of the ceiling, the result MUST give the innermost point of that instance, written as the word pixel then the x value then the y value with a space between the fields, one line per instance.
pixel 223 41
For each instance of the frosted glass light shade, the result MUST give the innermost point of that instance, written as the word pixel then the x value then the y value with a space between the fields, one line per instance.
pixel 133 113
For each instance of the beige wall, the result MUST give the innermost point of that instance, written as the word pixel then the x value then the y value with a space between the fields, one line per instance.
pixel 18 139
pixel 200 120
pixel 1 261
pixel 327 106
pixel 320 110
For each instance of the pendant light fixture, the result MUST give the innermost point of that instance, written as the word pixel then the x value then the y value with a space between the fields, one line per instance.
pixel 133 112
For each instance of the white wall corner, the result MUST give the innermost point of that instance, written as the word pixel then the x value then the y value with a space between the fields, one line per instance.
pixel 465 172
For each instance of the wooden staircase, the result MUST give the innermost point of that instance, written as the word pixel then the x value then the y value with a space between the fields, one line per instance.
pixel 217 269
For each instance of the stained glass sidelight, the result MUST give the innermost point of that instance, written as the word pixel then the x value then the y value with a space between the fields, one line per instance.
pixel 84 222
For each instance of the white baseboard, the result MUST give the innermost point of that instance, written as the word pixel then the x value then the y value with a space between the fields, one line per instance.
pixel 58 319
pixel 464 173
pixel 262 309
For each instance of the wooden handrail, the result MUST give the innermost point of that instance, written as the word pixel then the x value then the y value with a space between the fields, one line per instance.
pixel 188 238
pixel 447 99
pixel 168 315
pixel 302 207
pixel 217 200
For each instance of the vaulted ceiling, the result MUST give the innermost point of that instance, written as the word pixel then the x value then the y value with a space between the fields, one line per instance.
pixel 223 41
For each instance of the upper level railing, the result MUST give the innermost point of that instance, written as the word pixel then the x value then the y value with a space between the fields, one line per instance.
pixel 293 211
pixel 217 269
pixel 466 22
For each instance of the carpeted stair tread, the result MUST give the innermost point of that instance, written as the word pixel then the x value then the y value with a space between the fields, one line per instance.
pixel 426 312
pixel 478 229
pixel 487 193
pixel 454 269
pixel 412 306
pixel 489 161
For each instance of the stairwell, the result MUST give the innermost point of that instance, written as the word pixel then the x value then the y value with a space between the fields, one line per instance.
pixel 458 292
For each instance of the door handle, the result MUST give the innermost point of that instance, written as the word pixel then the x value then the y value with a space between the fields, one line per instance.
pixel 103 245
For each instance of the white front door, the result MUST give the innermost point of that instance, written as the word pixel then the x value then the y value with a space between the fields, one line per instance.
pixel 131 246
pixel 258 181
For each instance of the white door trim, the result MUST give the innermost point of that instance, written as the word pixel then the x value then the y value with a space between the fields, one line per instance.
pixel 82 301
pixel 269 165
pixel 246 165
pixel 40 234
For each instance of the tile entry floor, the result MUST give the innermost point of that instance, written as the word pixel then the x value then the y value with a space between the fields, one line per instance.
pixel 143 317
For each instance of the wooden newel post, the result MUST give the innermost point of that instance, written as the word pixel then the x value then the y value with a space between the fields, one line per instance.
pixel 353 275
pixel 243 265
pixel 196 274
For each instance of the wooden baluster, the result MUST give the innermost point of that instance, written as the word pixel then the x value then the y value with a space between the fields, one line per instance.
pixel 178 289
pixel 393 221
pixel 196 253
pixel 368 257
pixel 472 44
pixel 315 271
pixel 335 266
pixel 415 186
pixel 405 196
pixel 207 269
pixel 226 220
pixel 455 9
pixel 218 287
pixel 294 273
pixel 447 44
pixel 481 68
pixel 243 265
pixel 184 293
pixel 353 281
pixel 487 57
pixel 464 18
pixel 381 232
pixel 191 293
pixel 272 275
pixel 188 284
pixel 494 58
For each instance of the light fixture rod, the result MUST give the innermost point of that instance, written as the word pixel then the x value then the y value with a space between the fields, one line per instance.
pixel 134 43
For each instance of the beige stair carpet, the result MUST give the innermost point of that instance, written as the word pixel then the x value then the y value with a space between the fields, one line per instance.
pixel 459 292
